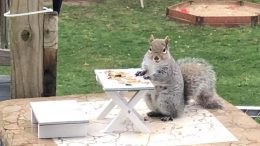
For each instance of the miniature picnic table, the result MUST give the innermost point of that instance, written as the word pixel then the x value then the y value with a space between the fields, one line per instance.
pixel 115 88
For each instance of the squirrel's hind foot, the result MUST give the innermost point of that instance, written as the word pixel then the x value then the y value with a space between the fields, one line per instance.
pixel 167 118
pixel 154 114
pixel 170 117
pixel 163 118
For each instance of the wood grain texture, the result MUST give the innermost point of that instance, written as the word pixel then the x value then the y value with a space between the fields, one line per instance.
pixel 4 57
pixel 3 25
pixel 26 44
pixel 50 53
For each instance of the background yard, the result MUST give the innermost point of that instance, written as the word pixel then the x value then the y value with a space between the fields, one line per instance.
pixel 114 34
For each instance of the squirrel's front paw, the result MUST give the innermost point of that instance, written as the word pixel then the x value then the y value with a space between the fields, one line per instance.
pixel 147 77
pixel 140 73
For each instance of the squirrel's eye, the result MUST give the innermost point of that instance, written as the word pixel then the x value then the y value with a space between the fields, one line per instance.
pixel 150 50
pixel 164 50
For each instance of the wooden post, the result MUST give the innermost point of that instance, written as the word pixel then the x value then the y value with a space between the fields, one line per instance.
pixel 5 57
pixel 26 44
pixel 4 42
pixel 50 53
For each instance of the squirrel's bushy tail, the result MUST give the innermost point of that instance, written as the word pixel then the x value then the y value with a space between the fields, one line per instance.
pixel 208 100
pixel 199 82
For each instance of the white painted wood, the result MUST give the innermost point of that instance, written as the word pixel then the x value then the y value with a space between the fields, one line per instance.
pixel 52 112
pixel 137 97
pixel 58 119
pixel 110 106
pixel 252 111
pixel 62 130
pixel 116 90
pixel 121 117
pixel 249 107
pixel 133 101
pixel 112 85
pixel 106 110
pixel 127 111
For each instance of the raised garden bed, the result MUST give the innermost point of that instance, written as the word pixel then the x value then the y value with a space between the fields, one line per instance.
pixel 215 13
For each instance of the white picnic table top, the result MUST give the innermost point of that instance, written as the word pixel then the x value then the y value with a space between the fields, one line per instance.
pixel 127 82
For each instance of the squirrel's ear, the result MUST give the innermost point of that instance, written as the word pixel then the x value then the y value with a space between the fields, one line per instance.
pixel 151 38
pixel 167 39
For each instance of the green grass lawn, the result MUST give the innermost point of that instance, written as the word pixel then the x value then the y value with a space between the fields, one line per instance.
pixel 115 33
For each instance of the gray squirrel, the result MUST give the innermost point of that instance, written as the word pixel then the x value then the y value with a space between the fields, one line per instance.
pixel 167 99
pixel 199 82
pixel 176 82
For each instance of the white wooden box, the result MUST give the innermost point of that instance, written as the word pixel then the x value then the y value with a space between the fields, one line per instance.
pixel 59 119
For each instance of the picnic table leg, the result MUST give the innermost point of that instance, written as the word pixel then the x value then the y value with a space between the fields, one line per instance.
pixel 133 101
pixel 108 107
pixel 128 111
pixel 106 110
pixel 117 120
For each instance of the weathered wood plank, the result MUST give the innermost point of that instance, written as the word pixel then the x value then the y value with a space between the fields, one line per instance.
pixel 26 44
pixel 3 24
pixel 50 53
pixel 4 57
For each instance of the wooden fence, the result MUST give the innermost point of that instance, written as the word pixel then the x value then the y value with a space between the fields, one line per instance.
pixel 3 24
pixel 33 44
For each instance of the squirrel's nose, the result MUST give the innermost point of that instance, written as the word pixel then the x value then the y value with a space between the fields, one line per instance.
pixel 156 58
